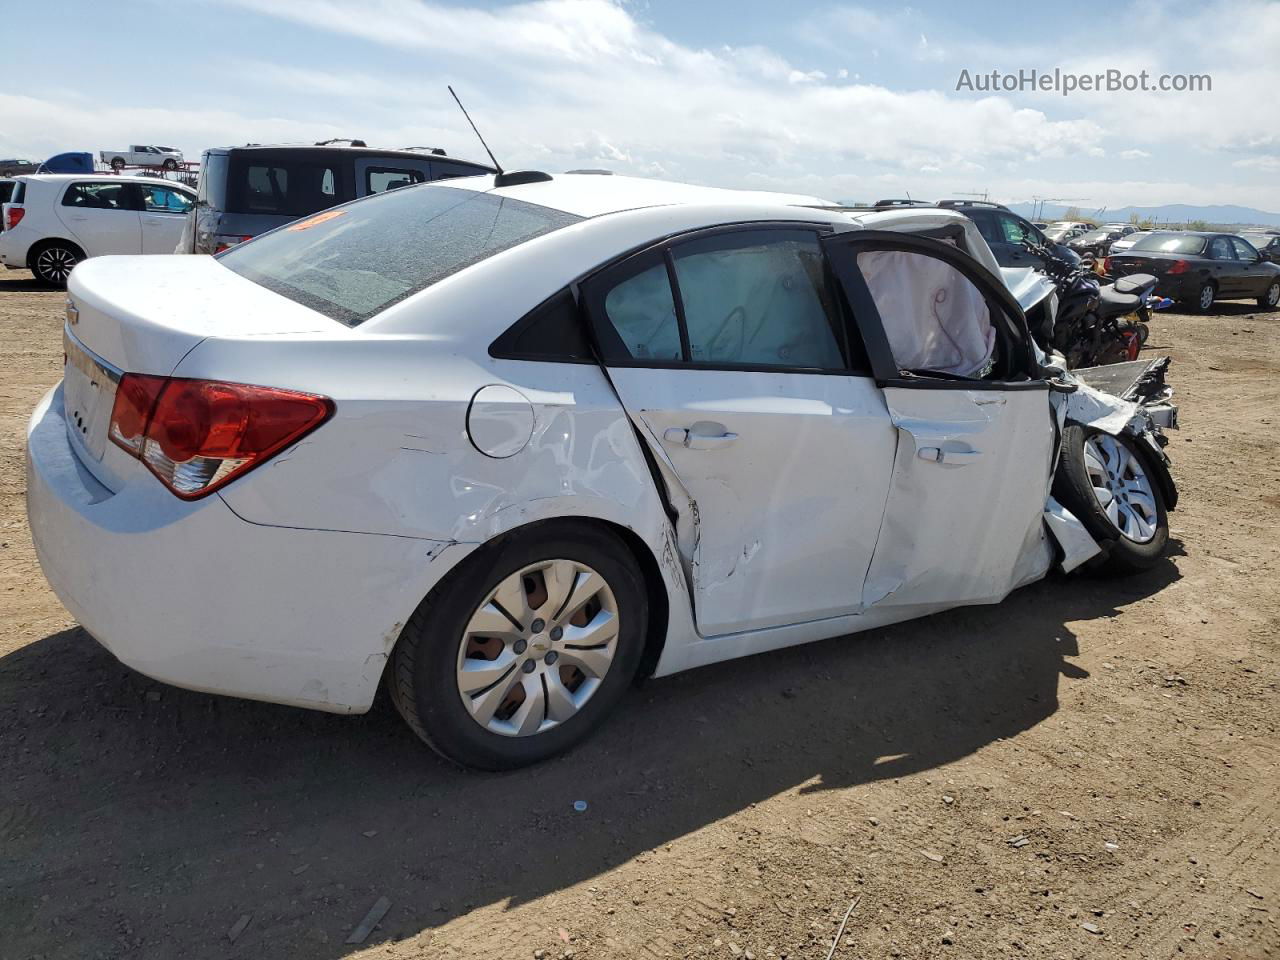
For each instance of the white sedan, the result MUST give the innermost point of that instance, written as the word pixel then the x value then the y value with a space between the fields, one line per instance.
pixel 505 446
pixel 53 221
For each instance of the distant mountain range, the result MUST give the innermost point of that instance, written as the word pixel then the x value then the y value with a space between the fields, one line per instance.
pixel 1224 214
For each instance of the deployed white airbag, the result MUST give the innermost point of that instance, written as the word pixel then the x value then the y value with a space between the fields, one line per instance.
pixel 934 317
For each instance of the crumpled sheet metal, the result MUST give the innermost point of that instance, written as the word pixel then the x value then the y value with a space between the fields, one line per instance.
pixel 1091 407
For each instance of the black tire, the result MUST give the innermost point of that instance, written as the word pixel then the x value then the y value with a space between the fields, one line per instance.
pixel 1073 489
pixel 1197 303
pixel 53 261
pixel 422 678
pixel 117 163
pixel 1270 298
pixel 170 163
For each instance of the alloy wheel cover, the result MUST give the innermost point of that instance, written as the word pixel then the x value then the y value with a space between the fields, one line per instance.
pixel 1121 487
pixel 538 648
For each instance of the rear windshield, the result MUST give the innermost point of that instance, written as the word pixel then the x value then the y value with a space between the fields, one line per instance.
pixel 213 180
pixel 286 184
pixel 351 263
pixel 1164 243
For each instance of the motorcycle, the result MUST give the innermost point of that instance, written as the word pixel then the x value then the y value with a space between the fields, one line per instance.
pixel 1094 324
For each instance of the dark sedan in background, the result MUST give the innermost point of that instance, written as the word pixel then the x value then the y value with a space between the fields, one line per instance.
pixel 1267 244
pixel 1096 243
pixel 1198 268
pixel 1006 233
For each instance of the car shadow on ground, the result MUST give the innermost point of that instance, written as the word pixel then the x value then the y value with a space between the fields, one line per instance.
pixel 150 818
pixel 24 282
pixel 1221 308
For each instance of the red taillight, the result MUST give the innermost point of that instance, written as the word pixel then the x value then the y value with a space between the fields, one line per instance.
pixel 198 435
pixel 14 217
pixel 1106 264
pixel 135 399
pixel 1177 267
pixel 229 242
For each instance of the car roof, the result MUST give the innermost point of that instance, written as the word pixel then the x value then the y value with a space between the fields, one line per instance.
pixel 593 195
pixel 346 148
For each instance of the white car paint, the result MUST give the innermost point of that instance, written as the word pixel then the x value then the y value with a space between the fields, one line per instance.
pixel 292 584
pixel 96 232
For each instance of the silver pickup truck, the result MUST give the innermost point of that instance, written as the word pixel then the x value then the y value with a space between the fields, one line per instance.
pixel 143 155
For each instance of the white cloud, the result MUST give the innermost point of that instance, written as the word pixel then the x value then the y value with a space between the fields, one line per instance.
pixel 584 83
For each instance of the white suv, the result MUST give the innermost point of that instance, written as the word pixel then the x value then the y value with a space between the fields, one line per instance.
pixel 54 221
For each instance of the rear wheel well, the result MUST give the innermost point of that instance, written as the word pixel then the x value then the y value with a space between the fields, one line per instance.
pixel 655 590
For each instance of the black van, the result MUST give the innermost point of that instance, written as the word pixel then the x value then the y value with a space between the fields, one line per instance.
pixel 245 191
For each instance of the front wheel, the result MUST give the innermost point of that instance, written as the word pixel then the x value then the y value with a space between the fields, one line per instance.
pixel 522 651
pixel 170 163
pixel 1108 483
pixel 1270 299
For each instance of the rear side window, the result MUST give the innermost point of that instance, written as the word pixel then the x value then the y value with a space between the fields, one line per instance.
pixel 285 186
pixel 642 311
pixel 98 196
pixel 444 169
pixel 352 262
pixel 552 331
pixel 752 298
pixel 758 298
pixel 381 179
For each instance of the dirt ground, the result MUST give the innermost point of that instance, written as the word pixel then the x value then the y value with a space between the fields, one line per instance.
pixel 1126 730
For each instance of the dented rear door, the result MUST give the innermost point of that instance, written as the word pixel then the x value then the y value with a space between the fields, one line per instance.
pixel 773 450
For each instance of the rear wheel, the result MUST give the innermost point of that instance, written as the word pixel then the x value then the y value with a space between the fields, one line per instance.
pixel 1107 482
pixel 1270 299
pixel 117 163
pixel 52 262
pixel 1203 300
pixel 523 650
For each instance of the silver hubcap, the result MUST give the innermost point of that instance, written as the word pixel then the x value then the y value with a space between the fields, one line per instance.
pixel 1121 487
pixel 1206 297
pixel 538 648
pixel 1273 294
pixel 55 263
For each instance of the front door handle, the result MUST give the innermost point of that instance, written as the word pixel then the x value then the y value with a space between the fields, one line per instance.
pixel 955 458
pixel 701 436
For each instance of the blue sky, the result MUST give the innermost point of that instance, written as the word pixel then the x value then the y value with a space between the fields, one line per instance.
pixel 847 101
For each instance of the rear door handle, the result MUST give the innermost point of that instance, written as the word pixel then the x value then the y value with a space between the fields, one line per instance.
pixel 955 458
pixel 694 439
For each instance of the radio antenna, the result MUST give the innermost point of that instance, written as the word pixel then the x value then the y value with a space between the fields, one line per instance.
pixel 496 164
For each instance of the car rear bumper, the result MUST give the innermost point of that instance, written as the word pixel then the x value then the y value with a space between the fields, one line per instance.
pixel 190 594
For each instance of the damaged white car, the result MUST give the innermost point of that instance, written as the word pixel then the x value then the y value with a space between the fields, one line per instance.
pixel 506 444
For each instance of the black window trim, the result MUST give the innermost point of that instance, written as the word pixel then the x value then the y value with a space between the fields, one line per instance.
pixel 499 351
pixel 1004 308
